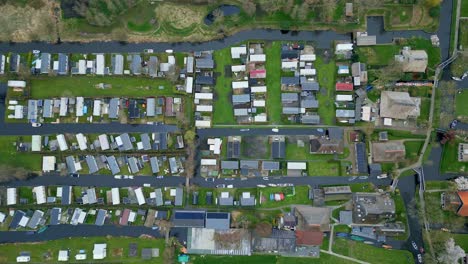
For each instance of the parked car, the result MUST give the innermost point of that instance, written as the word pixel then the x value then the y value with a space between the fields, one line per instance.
pixel 276 130
pixel 160 177
pixel 125 176
pixel 229 179
pixel 244 130
pixel 266 178
pixel 420 258
pixel 243 178
pixel 363 177
pixel 146 184
pixel 221 186
pixel 414 245
pixel 387 246
pixel 382 176
pixel 209 179
pixel 34 124
pixel 261 186
pixel 272 185
pixel 368 242
pixel 74 175
pixel 421 249
pixel 230 186
pixel 130 177
pixel 118 177
pixel 454 123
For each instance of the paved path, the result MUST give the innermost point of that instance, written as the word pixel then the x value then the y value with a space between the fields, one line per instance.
pixel 344 257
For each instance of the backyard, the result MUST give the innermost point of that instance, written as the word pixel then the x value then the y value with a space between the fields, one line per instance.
pixel 117 249
pixel 413 148
pixel 369 253
pixel 223 111
pixel 323 168
pixel 460 105
pixel 257 259
pixel 86 86
pixel 326 78
pixel 301 196
pixel 10 156
pixel 450 161
pixel 273 64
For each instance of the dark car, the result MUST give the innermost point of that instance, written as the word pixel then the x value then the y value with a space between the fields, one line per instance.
pixel 74 175
pixel 453 124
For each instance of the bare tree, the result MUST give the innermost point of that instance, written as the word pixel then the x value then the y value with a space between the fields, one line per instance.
pixel 389 74
pixel 263 229
pixel 165 228
pixel 250 7
pixel 327 10
pixel 453 253
pixel 218 14
pixel 9 173
pixel 287 6
pixel 303 11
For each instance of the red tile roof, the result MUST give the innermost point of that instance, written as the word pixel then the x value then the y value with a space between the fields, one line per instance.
pixel 258 74
pixel 124 217
pixel 463 210
pixel 310 238
pixel 346 87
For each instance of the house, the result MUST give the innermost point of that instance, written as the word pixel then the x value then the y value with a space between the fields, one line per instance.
pixel 153 66
pixel 310 119
pixel 65 194
pixel 72 165
pixel 99 251
pixel 188 218
pixel 133 165
pixel 189 85
pixel 308 238
pixel 234 147
pixel 229 165
pixel 135 66
pixel 36 143
pixel 12 196
pixel 90 196
pixel 179 196
pixel 309 102
pixel 313 218
pixel 296 168
pixel 247 200
pixel 100 64
pixel 154 165
pixel 270 165
pixel 278 148
pixel 63 106
pixel 237 68
pixel 14 62
pixel 63 255
pixel 204 80
pixel 101 217
pixel 343 69
pixel 248 166
pixel 335 193
pixel 40 194
pixel 82 141
pixel 363 39
pixel 257 58
pixel 15 221
pixel 399 105
pixel 326 146
pixel 345 113
pixel 55 215
pixel 349 9
pixel 205 63
pixel 35 219
pixel 189 63
pixel 117 64
pixel 124 217
pixel 343 48
pixel 290 81
pixel 2 64
pixel 225 199
pixel 389 151
pixel 463 201
pixel 282 241
pixel 203 241
pixel 174 168
pixel 112 164
pixel 32 111
pixel 287 65
pixel 412 60
pixel 47 109
pixel 344 87
pixel 289 98
pixel 139 196
pixel 44 63
pixel 240 98
pixel 113 111
pixel 361 157
pixel 123 142
pixel 237 52
pixel 258 74
pixel 359 73
pixel 159 197
pixel 218 220
pixel 372 207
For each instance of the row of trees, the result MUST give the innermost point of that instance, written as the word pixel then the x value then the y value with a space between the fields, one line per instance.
pixel 100 12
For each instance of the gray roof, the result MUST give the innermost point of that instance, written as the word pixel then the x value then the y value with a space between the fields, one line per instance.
pixel 159 197
pixel 344 113
pixel 241 98
pixel 126 143
pixel 233 149
pixel 15 60
pixel 133 164
pixel 179 197
pixel 114 108
pixel 150 106
pixel 218 220
pixel 136 64
pixel 101 217
pixel 208 80
pixel 92 165
pixel 35 219
pixel 117 62
pixel 173 165
pixel 153 66
pixel 249 164
pixel 291 110
pixel 16 219
pixel 45 62
pixel 154 164
pixel 278 149
pixel 188 218
pixel 361 157
pixel 310 119
pixel 32 109
pixel 307 85
pixel 91 193
pixel 226 200
pixel 204 63
pixel 145 139
pixel 70 160
pixel 335 133
pixel 62 64
pixel 375 169
pixel 229 165
pixel 47 109
pixel 309 102
pixel 247 201
pixel 290 80
pixel 190 64
pixel 270 165
pixel 66 195
pixel 346 217
pixel 241 112
pixel 289 97
pixel 55 216
pixel 113 165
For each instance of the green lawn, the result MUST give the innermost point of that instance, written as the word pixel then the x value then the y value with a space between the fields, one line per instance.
pixel 424 110
pixel 301 196
pixel 413 148
pixel 323 168
pixel 436 215
pixel 463 35
pixel 377 55
pixel 450 162
pixel 9 155
pixel 326 78
pixel 397 134
pixel 46 87
pixel 439 185
pixel 223 111
pixel 273 81
pixel 400 215
pixel 460 104
pixel 265 259
pixel 11 251
pixel 369 253
pixel 342 229
pixel 295 152
pixel 464 8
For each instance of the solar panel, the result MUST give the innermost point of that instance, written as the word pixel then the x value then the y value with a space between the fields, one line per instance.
pixel 189 215
pixel 361 158
pixel 217 215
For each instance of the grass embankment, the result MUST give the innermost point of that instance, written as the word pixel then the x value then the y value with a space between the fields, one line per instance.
pixel 273 81
pixel 370 254
pixel 460 104
pixel 117 249
pixel 301 196
pixel 255 259
pixel 223 110
pixel 46 87
pixel 10 156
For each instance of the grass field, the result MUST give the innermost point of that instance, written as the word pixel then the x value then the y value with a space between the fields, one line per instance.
pixel 295 152
pixel 45 87
pixel 370 254
pixel 377 55
pixel 413 148
pixel 449 161
pixel 439 185
pixel 265 259
pixel 223 111
pixel 460 104
pixel 396 134
pixel 323 168
pixel 273 67
pixel 326 78
pixel 301 197
pixel 9 155
pixel 117 249
pixel 464 10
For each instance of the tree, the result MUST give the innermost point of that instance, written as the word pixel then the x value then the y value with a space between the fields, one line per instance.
pixel 263 229
pixel 432 3
pixel 218 14
pixel 287 6
pixel 303 11
pixel 9 173
pixel 327 9
pixel 189 136
pixel 453 253
pixel 168 254
pixel 459 66
pixel 250 7
pixel 165 228
pixel 389 74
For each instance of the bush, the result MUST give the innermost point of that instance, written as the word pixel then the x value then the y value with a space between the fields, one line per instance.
pixel 434 12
